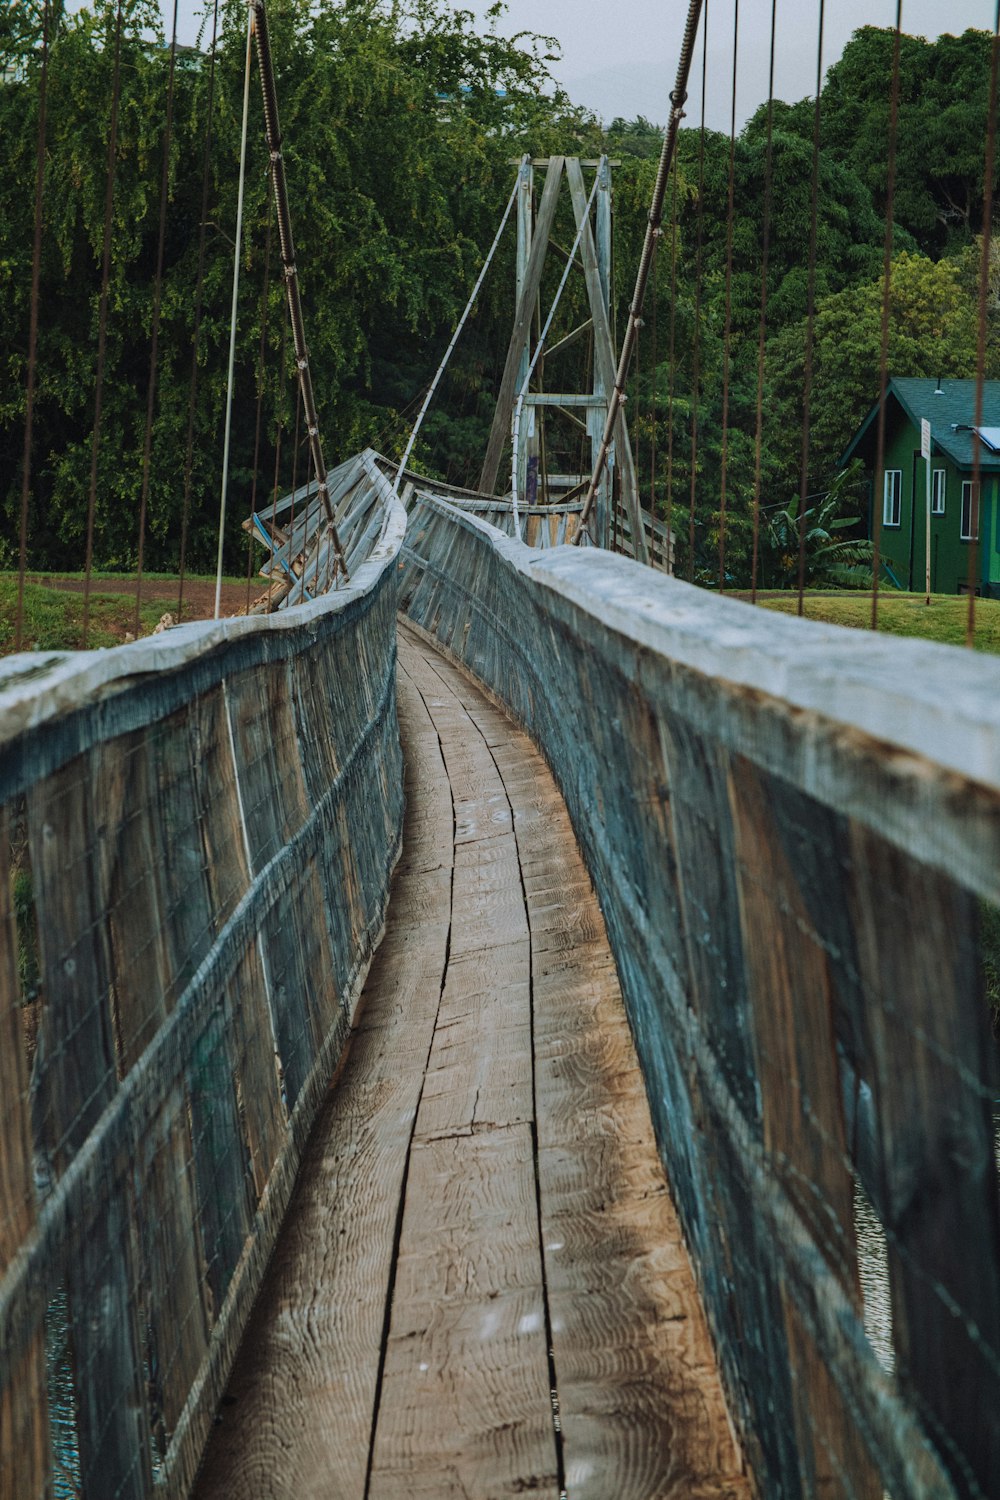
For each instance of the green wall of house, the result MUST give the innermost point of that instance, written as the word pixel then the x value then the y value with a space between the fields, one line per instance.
pixel 904 546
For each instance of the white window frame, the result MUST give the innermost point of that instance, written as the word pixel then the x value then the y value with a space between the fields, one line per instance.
pixel 892 498
pixel 967 535
pixel 939 485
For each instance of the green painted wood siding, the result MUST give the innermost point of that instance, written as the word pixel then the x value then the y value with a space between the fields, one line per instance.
pixel 903 546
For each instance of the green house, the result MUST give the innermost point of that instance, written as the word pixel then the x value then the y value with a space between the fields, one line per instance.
pixel 956 511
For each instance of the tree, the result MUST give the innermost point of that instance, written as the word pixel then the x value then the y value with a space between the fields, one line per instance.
pixel 399 123
pixel 932 331
pixel 941 134
pixel 829 558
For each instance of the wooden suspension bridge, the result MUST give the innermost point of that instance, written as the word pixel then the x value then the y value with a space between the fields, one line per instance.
pixel 476 1000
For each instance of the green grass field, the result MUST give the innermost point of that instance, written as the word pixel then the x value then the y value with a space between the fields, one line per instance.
pixel 53 616
pixel 899 614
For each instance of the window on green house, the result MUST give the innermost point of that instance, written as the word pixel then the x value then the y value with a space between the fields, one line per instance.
pixel 970 511
pixel 892 497
pixel 937 492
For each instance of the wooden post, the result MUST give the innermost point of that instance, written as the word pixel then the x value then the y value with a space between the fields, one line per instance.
pixel 525 214
pixel 604 355
pixel 500 431
pixel 595 423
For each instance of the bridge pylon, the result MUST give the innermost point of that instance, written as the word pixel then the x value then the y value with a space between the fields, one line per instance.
pixel 580 413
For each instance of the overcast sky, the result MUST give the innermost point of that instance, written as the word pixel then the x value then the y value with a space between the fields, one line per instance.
pixel 619 57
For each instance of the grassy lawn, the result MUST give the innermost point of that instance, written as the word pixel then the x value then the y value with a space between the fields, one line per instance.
pixel 53 615
pixel 899 614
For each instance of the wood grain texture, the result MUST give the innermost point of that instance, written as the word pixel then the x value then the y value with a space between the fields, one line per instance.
pixel 792 1005
pixel 641 1404
pixel 297 1420
pixel 24 1425
pixel 465 1199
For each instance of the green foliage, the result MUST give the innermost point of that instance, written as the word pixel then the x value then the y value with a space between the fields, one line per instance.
pixel 53 617
pixel 943 107
pixel 829 559
pixel 401 123
pixel 932 331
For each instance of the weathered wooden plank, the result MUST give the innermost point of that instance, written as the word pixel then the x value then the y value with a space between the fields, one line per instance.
pixel 935 1077
pixel 226 866
pixel 641 1406
pixel 169 1237
pixel 791 1005
pixel 112 1415
pixel 466 1407
pixel 24 1428
pixel 305 1389
pixel 468 1302
pixel 128 864
pixel 75 1072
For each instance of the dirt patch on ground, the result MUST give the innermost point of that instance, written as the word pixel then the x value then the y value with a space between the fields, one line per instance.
pixel 199 593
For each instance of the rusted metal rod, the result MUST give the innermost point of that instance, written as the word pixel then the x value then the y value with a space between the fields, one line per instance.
pixel 287 244
pixel 655 217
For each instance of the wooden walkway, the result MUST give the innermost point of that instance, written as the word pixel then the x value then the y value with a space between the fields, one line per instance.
pixel 481 1290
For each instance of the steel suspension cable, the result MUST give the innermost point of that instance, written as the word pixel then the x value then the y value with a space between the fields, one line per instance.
pixel 199 298
pixel 237 257
pixel 260 391
pixel 543 335
pixel 36 273
pixel 654 220
pixel 672 368
pixel 728 315
pixel 762 327
pixel 984 285
pixel 698 283
pixel 147 449
pixel 637 386
pixel 458 330
pixel 653 403
pixel 102 318
pixel 810 315
pixel 272 128
pixel 877 515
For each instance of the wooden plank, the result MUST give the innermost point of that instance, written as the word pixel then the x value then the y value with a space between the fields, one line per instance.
pixel 442 1051
pixel 934 1076
pixel 633 1359
pixel 500 430
pixel 128 861
pixel 791 1005
pixel 24 1427
pixel 112 1415
pixel 171 1257
pixel 300 1404
pixel 75 1072
pixel 466 1407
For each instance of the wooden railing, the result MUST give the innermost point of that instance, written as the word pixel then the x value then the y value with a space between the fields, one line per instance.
pixel 794 833
pixel 202 829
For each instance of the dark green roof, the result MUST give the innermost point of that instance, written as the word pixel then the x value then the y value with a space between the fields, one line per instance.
pixel 954 405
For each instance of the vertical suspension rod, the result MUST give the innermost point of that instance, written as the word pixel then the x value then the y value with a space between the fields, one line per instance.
pixel 654 220
pixel 287 245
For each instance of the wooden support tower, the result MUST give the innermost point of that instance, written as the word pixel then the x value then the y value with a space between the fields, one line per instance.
pixel 586 407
